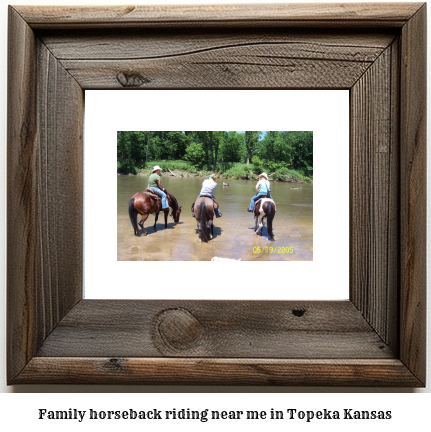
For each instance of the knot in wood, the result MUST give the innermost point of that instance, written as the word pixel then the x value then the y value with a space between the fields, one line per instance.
pixel 298 312
pixel 131 79
pixel 115 363
pixel 178 329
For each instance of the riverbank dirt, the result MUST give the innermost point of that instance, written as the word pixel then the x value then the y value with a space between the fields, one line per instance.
pixel 203 174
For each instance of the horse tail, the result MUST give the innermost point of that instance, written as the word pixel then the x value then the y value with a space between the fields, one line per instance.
pixel 132 214
pixel 205 231
pixel 269 218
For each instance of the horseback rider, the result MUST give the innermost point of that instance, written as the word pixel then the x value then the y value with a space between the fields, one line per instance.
pixel 207 190
pixel 154 183
pixel 262 189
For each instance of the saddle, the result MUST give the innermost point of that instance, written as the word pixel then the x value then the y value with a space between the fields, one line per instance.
pixel 257 203
pixel 211 198
pixel 216 205
pixel 155 197
pixel 152 194
pixel 207 196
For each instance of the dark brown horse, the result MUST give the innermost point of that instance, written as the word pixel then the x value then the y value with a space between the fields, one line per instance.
pixel 144 204
pixel 264 208
pixel 204 214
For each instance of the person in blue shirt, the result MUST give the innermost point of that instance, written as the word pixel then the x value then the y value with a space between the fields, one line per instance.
pixel 262 188
pixel 207 189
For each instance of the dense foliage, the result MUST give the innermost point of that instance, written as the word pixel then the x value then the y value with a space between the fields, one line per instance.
pixel 278 152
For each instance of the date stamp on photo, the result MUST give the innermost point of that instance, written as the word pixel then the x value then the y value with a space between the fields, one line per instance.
pixel 271 250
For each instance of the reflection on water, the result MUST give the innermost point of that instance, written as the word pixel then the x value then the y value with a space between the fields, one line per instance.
pixel 233 233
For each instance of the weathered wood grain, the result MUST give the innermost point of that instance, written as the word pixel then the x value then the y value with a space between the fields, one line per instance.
pixel 235 329
pixel 227 72
pixel 44 193
pixel 374 194
pixel 375 338
pixel 21 196
pixel 138 45
pixel 392 301
pixel 413 194
pixel 59 183
pixel 211 60
pixel 329 372
pixel 313 14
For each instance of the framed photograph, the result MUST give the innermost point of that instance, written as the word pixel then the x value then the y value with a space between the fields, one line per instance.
pixel 316 121
pixel 375 337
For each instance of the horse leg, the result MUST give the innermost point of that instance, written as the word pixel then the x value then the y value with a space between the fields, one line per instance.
pixel 166 217
pixel 269 219
pixel 211 228
pixel 260 224
pixel 141 223
pixel 155 221
pixel 197 217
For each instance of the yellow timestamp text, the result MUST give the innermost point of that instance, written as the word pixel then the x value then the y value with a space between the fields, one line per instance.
pixel 271 249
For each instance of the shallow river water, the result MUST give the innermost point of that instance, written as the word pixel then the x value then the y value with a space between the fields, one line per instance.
pixel 234 235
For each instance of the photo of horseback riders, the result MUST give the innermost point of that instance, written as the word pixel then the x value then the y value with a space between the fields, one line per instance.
pixel 222 176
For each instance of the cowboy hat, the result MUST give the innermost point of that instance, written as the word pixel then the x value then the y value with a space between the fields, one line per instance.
pixel 264 175
pixel 156 168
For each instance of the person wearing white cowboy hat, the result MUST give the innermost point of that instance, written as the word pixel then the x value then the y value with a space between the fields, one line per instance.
pixel 154 183
pixel 262 188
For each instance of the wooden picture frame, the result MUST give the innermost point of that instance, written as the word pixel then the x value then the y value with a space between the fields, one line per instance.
pixel 376 338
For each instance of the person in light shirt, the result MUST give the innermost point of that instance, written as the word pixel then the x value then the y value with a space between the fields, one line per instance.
pixel 207 189
pixel 263 188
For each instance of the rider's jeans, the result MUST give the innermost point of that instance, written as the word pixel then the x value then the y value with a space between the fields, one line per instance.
pixel 253 200
pixel 161 194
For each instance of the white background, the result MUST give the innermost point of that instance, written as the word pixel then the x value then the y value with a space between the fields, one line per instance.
pixel 20 410
pixel 326 113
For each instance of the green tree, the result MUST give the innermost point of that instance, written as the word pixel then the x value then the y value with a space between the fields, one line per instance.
pixel 302 151
pixel 122 145
pixel 265 147
pixel 230 146
pixel 137 146
pixel 281 148
pixel 148 144
pixel 195 153
pixel 257 163
pixel 272 151
pixel 250 141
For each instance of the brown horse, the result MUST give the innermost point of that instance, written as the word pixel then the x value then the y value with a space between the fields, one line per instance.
pixel 264 208
pixel 204 214
pixel 144 204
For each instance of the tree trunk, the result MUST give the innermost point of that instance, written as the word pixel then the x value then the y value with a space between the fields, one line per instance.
pixel 247 139
pixel 148 143
pixel 212 149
